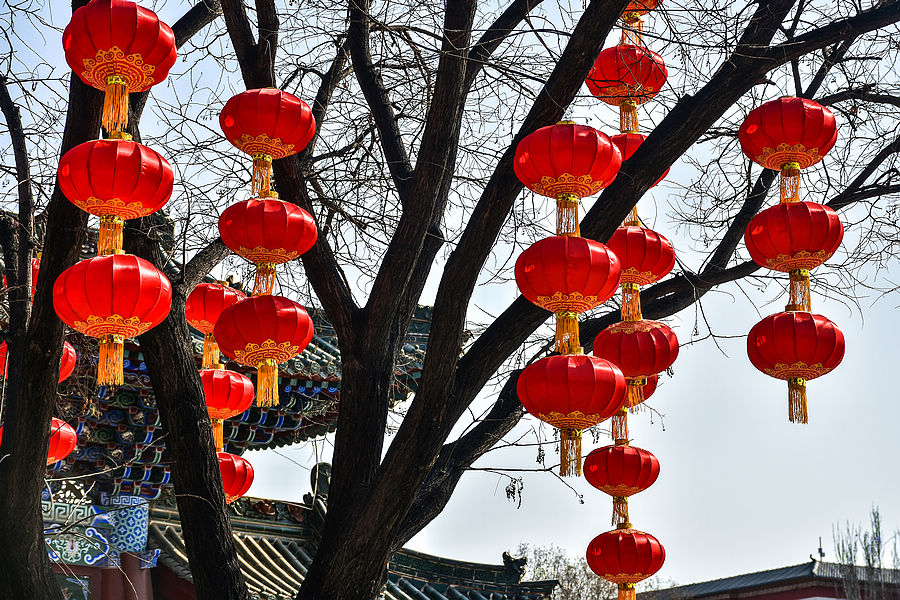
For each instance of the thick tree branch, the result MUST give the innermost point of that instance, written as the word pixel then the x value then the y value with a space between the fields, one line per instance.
pixel 196 18
pixel 201 264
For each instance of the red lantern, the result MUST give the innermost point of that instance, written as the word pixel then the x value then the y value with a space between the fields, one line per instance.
pixel 262 332
pixel 66 363
pixel 621 471
pixel 267 233
pixel 646 257
pixel 112 298
pixel 625 76
pixel 796 346
pixel 571 393
pixel 787 135
pixel 202 309
pixel 267 124
pixel 227 394
pixel 625 557
pixel 794 238
pixel 567 162
pixel 627 143
pixel 120 47
pixel 63 440
pixel 237 475
pixel 638 8
pixel 567 275
pixel 115 180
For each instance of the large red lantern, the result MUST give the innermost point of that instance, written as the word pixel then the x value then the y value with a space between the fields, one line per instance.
pixel 794 237
pixel 621 471
pixel 625 557
pixel 115 179
pixel 63 440
pixel 796 346
pixel 267 124
pixel 112 298
pixel 566 162
pixel 625 76
pixel 267 232
pixel 119 47
pixel 567 275
pixel 646 257
pixel 262 332
pixel 237 475
pixel 787 135
pixel 571 393
pixel 227 394
pixel 66 362
pixel 202 309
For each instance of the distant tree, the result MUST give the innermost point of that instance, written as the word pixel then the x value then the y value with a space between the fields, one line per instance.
pixel 869 576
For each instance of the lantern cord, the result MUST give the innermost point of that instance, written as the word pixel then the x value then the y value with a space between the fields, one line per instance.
pixel 115 104
pixel 210 352
pixel 570 453
pixel 567 335
pixel 790 182
pixel 633 220
pixel 628 119
pixel 109 240
pixel 620 510
pixel 265 279
pixel 631 302
pixel 267 383
pixel 262 175
pixel 634 393
pixel 620 426
pixel 626 591
pixel 797 411
pixel 567 215
pixel 218 427
pixel 633 27
pixel 800 295
pixel 112 359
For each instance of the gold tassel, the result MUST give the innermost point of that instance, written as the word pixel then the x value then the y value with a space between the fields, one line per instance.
pixel 800 296
pixel 632 36
pixel 631 302
pixel 262 175
pixel 267 383
pixel 790 182
pixel 628 119
pixel 797 412
pixel 634 392
pixel 218 427
pixel 570 453
pixel 567 337
pixel 567 215
pixel 109 240
pixel 115 104
pixel 620 510
pixel 265 279
pixel 620 427
pixel 633 220
pixel 110 368
pixel 626 591
pixel 210 352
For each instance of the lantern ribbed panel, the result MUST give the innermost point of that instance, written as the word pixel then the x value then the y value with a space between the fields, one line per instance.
pixel 63 440
pixel 627 72
pixel 237 475
pixel 269 231
pixel 621 470
pixel 640 349
pixel 267 121
pixel 645 255
pixel 641 7
pixel 628 143
pixel 227 393
pixel 795 235
pixel 795 344
pixel 206 302
pixel 788 130
pixel 625 556
pixel 263 327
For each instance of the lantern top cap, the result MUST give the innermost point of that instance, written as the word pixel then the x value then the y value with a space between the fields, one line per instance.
pixel 625 525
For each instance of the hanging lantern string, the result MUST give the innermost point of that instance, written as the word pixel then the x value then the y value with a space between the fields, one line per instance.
pixel 620 510
pixel 799 291
pixel 632 29
pixel 567 216
pixel 568 339
pixel 619 426
pixel 262 175
pixel 570 452
pixel 790 182
pixel 115 104
pixel 797 409
pixel 628 119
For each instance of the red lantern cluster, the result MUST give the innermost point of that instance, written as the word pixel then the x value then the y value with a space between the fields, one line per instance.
pixel 237 475
pixel 63 440
pixel 790 134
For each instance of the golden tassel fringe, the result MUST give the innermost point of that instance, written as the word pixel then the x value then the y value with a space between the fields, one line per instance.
pixel 620 510
pixel 267 383
pixel 790 182
pixel 634 392
pixel 797 410
pixel 626 591
pixel 265 279
pixel 631 302
pixel 570 453
pixel 115 104
pixel 218 427
pixel 567 336
pixel 262 175
pixel 800 295
pixel 109 241
pixel 632 36
pixel 210 352
pixel 633 220
pixel 110 368
pixel 567 215
pixel 619 425
pixel 628 119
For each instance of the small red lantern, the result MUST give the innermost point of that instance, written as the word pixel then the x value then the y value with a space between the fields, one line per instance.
pixel 567 275
pixel 262 332
pixel 794 238
pixel 63 440
pixel 796 346
pixel 625 557
pixel 787 135
pixel 267 233
pixel 571 393
pixel 628 143
pixel 566 162
pixel 35 269
pixel 202 309
pixel 112 298
pixel 267 124
pixel 227 394
pixel 237 475
pixel 646 257
pixel 66 363
pixel 621 471
pixel 115 179
pixel 119 47
pixel 625 76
